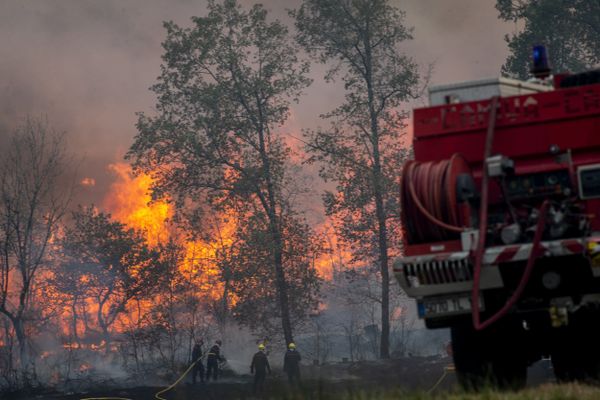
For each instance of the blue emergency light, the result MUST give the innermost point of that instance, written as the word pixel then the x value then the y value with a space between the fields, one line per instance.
pixel 541 66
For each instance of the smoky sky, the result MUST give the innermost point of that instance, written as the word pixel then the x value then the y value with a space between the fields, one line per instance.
pixel 86 65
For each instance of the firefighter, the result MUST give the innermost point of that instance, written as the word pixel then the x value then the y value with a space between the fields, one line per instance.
pixel 212 361
pixel 197 358
pixel 291 364
pixel 259 367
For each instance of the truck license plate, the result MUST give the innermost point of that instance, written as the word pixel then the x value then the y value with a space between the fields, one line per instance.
pixel 452 305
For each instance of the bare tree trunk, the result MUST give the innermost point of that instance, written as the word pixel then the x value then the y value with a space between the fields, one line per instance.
pixel 9 345
pixel 385 281
pixel 384 349
pixel 281 284
pixel 74 322
pixel 104 326
pixel 270 206
pixel 23 354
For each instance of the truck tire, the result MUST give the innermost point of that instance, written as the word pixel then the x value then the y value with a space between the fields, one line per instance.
pixel 492 358
pixel 576 350
pixel 566 365
pixel 473 369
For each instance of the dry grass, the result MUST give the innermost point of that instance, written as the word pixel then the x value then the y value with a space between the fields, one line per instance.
pixel 543 392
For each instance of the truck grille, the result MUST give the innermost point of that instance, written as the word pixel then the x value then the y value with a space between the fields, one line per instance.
pixel 437 272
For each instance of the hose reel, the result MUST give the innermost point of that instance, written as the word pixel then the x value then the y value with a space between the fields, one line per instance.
pixel 436 199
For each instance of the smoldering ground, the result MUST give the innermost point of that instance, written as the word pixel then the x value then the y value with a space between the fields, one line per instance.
pixel 417 377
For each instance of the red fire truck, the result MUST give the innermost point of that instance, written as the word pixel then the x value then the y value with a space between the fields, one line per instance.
pixel 501 219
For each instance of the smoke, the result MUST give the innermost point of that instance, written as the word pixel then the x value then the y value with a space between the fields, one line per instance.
pixel 463 38
pixel 87 65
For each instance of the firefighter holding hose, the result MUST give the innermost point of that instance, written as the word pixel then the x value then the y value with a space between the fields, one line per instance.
pixel 197 358
pixel 212 361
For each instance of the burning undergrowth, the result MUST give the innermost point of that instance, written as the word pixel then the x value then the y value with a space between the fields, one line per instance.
pixel 128 291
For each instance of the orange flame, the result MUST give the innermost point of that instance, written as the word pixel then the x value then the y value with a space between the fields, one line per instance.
pixel 335 259
pixel 130 202
pixel 88 182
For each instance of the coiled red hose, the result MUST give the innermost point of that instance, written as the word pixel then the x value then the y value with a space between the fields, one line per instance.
pixel 428 190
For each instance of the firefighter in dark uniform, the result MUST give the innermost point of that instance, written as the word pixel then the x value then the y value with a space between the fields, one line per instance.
pixel 291 364
pixel 197 358
pixel 212 361
pixel 259 367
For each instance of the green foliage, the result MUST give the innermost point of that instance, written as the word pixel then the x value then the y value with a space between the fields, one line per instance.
pixel 257 304
pixel 569 28
pixel 225 84
pixel 362 150
pixel 106 261
pixel 224 92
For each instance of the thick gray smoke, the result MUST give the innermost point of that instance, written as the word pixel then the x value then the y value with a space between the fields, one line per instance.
pixel 464 38
pixel 87 64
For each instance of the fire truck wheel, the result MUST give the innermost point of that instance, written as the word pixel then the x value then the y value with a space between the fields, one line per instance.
pixel 510 373
pixel 576 350
pixel 471 366
pixel 490 358
pixel 566 364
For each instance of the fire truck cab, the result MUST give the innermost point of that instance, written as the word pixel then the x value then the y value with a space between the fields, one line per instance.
pixel 501 220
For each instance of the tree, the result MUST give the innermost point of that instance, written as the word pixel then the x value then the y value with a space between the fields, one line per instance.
pixel 224 90
pixel 570 29
pixel 114 265
pixel 362 150
pixel 34 195
pixel 256 304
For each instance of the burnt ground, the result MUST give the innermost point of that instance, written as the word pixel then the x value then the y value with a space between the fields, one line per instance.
pixel 332 381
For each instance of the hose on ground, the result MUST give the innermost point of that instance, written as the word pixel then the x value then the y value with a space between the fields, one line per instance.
pixel 447 370
pixel 158 394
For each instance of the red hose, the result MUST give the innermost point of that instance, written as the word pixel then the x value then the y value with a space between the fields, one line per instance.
pixel 428 190
pixel 435 196
pixel 479 254
pixel 535 249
